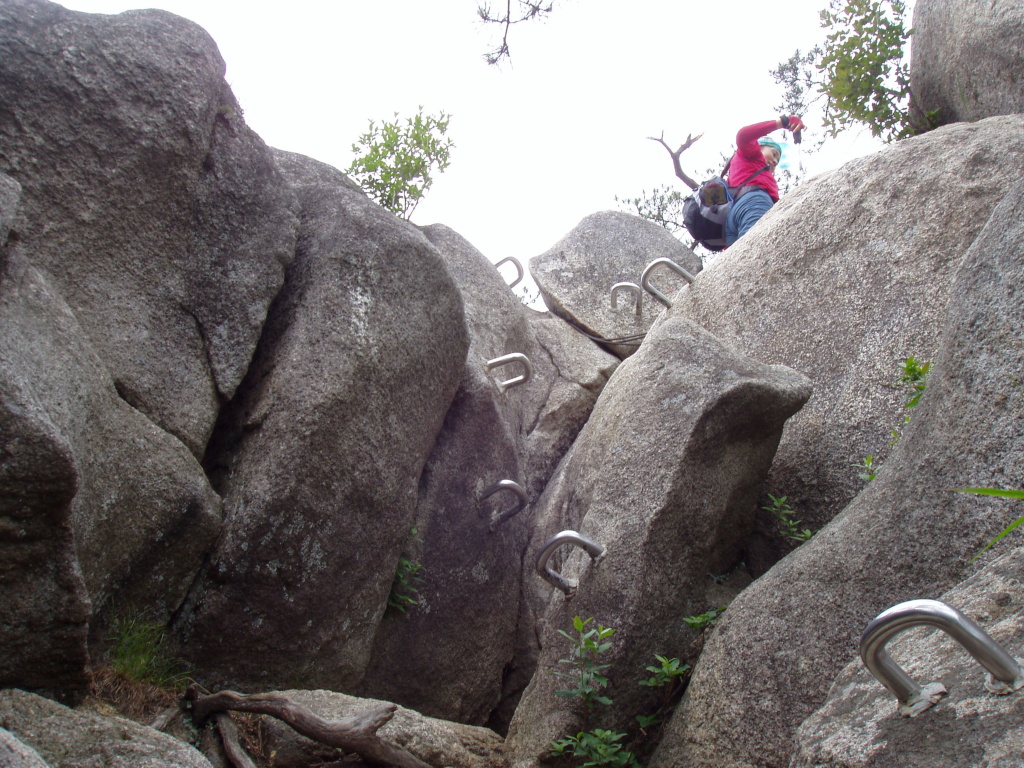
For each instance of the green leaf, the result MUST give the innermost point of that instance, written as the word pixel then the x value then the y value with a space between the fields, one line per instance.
pixel 1007 493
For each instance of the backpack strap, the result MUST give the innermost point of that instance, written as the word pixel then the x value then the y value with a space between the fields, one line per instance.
pixel 742 189
pixel 754 176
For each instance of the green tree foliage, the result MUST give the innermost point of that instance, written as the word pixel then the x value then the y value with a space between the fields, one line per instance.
pixel 866 76
pixel 395 162
pixel 664 206
pixel 798 78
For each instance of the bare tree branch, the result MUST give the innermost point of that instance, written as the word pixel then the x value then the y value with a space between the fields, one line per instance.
pixel 690 140
pixel 357 734
pixel 528 9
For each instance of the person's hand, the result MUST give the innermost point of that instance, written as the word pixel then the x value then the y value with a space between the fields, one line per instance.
pixel 795 124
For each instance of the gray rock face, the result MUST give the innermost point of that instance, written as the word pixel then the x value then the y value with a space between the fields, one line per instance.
pixel 446 655
pixel 664 475
pixel 103 509
pixel 859 725
pixel 322 450
pixel 843 280
pixel 143 514
pixel 576 275
pixel 781 643
pixel 968 58
pixel 14 753
pixel 149 205
pixel 436 742
pixel 64 738
pixel 42 595
pixel 567 386
pixel 10 194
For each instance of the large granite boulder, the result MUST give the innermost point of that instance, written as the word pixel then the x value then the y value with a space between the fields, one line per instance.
pixel 665 476
pixel 319 456
pixel 106 510
pixel 66 738
pixel 42 594
pixel 143 513
pixel 149 205
pixel 10 194
pixel 14 753
pixel 773 655
pixel 446 654
pixel 843 280
pixel 967 59
pixel 859 725
pixel 570 372
pixel 576 275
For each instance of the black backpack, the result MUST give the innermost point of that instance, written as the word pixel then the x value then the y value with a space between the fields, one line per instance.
pixel 705 211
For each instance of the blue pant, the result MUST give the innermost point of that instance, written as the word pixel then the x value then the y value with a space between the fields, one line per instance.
pixel 745 213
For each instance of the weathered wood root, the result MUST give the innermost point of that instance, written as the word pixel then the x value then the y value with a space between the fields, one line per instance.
pixel 233 749
pixel 356 734
pixel 164 719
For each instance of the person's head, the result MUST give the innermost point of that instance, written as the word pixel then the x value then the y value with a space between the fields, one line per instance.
pixel 772 152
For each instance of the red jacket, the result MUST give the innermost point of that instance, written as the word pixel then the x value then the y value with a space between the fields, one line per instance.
pixel 748 159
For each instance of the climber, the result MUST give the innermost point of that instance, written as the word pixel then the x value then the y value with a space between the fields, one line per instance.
pixel 755 160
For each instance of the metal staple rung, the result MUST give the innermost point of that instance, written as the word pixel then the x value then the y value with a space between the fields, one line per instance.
pixel 1006 675
pixel 567 586
pixel 519 269
pixel 645 280
pixel 515 357
pixel 632 288
pixel 506 485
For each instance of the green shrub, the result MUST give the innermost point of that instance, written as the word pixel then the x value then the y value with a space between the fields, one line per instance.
pixel 407 576
pixel 788 525
pixel 704 620
pixel 595 747
pixel 395 162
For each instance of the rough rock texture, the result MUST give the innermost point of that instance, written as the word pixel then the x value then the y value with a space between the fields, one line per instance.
pixel 576 275
pixel 14 753
pixel 10 194
pixel 859 725
pixel 582 371
pixel 843 280
pixel 773 655
pixel 968 58
pixel 149 205
pixel 664 475
pixel 43 600
pixel 143 514
pixel 435 742
pixel 566 388
pixel 445 656
pixel 65 738
pixel 321 452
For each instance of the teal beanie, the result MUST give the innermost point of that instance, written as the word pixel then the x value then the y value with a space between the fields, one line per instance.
pixel 773 144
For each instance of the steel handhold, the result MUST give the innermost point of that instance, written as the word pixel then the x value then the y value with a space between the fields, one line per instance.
pixel 517 265
pixel 568 586
pixel 515 357
pixel 506 485
pixel 632 288
pixel 645 279
pixel 1006 674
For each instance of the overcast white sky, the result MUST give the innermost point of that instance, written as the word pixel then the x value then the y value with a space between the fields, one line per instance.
pixel 541 142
